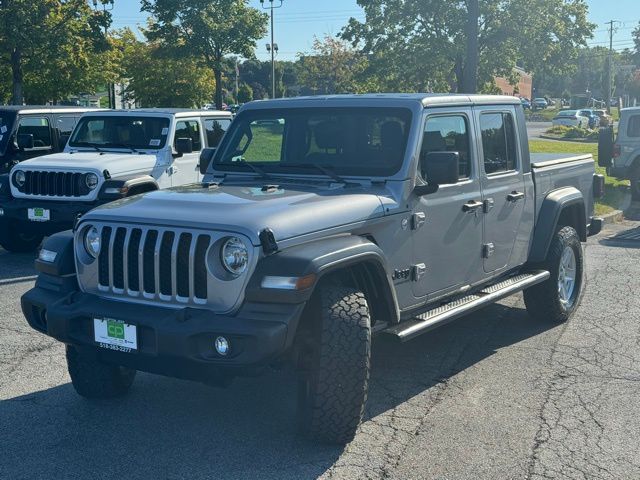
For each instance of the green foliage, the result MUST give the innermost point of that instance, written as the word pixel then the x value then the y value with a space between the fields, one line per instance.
pixel 573 133
pixel 420 45
pixel 154 79
pixel 334 67
pixel 53 48
pixel 207 30
pixel 245 93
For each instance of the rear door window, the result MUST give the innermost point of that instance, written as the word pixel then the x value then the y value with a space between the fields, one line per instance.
pixel 498 142
pixel 215 129
pixel 65 125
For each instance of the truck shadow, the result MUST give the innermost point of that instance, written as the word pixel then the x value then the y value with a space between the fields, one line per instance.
pixel 168 428
pixel 16 267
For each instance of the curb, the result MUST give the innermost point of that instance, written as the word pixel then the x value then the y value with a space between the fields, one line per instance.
pixel 574 140
pixel 613 217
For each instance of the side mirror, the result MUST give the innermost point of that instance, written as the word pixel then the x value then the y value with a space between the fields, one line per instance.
pixel 205 159
pixel 439 168
pixel 184 145
pixel 25 141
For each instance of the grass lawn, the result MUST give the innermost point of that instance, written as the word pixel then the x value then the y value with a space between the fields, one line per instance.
pixel 615 189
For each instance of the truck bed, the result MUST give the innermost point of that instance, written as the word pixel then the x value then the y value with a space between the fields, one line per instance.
pixel 553 171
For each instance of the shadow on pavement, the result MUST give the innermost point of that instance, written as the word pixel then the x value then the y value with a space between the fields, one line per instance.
pixel 14 267
pixel 168 429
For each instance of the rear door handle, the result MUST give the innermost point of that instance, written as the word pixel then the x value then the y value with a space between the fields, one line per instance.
pixel 471 206
pixel 515 196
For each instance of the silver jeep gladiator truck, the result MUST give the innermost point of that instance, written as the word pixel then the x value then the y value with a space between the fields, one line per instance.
pixel 320 222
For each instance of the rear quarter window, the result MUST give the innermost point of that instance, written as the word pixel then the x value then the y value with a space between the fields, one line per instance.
pixel 633 129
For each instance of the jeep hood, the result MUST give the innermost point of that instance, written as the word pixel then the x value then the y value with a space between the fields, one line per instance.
pixel 287 211
pixel 117 163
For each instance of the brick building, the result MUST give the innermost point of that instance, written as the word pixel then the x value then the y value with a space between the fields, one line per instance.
pixel 522 89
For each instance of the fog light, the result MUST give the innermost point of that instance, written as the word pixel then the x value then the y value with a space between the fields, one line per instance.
pixel 222 346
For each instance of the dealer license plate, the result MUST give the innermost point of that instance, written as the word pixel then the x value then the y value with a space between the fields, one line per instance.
pixel 115 334
pixel 39 214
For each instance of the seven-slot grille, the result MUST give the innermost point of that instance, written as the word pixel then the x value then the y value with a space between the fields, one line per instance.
pixel 154 263
pixel 54 184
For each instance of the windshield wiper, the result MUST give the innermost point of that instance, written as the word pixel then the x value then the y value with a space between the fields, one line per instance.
pixel 121 145
pixel 326 171
pixel 257 170
pixel 88 145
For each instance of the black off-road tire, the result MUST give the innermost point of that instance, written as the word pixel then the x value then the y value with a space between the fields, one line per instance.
pixel 92 378
pixel 543 300
pixel 634 178
pixel 18 242
pixel 333 388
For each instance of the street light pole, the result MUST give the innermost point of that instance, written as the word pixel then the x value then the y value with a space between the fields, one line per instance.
pixel 272 47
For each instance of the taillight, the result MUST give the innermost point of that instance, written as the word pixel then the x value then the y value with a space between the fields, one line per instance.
pixel 616 151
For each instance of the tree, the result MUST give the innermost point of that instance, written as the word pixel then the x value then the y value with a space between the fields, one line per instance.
pixel 333 67
pixel 462 44
pixel 245 93
pixel 207 29
pixel 37 38
pixel 155 79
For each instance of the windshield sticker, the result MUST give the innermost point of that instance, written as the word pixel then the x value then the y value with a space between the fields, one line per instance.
pixel 3 129
pixel 165 131
pixel 155 142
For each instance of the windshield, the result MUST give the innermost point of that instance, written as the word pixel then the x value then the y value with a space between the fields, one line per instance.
pixel 348 141
pixel 567 113
pixel 110 131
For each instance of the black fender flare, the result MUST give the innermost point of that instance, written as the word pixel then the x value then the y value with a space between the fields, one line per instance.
pixel 319 259
pixel 547 220
pixel 126 183
pixel 63 264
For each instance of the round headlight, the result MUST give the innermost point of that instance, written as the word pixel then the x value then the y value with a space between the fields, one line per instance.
pixel 91 179
pixel 235 256
pixel 19 177
pixel 92 241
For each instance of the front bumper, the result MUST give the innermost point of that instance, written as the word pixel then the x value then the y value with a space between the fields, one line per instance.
pixel 173 342
pixel 62 215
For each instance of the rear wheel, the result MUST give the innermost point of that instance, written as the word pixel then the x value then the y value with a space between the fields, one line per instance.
pixel 92 378
pixel 20 242
pixel 334 368
pixel 558 297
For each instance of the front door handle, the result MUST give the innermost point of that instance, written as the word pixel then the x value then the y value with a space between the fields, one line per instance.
pixel 472 206
pixel 515 196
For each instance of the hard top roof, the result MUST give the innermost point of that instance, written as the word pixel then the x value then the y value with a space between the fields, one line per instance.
pixel 46 108
pixel 385 100
pixel 177 112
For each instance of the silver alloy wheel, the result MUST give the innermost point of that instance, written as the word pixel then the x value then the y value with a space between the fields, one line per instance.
pixel 567 275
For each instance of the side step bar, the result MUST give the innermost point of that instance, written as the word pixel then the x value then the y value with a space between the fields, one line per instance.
pixel 450 311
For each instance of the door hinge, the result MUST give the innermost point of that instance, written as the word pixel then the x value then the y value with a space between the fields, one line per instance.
pixel 418 220
pixel 418 271
pixel 488 249
pixel 488 205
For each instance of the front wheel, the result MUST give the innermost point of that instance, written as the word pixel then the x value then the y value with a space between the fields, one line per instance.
pixel 19 242
pixel 558 297
pixel 92 378
pixel 334 375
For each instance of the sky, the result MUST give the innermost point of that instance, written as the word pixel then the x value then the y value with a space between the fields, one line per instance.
pixel 298 21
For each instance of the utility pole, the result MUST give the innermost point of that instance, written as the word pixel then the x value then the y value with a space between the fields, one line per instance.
pixel 607 97
pixel 272 47
pixel 111 87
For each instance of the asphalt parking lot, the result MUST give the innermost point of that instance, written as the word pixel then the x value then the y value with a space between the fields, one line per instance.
pixel 493 396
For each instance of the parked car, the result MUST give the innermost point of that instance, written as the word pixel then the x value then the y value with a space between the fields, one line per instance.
pixel 358 216
pixel 594 120
pixel 604 118
pixel 622 157
pixel 571 118
pixel 540 103
pixel 110 155
pixel 31 131
pixel 526 104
